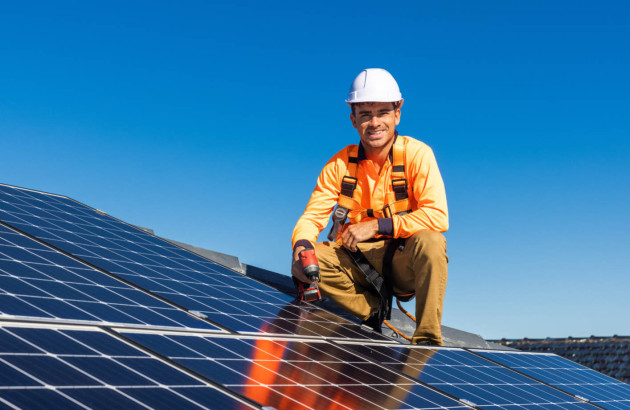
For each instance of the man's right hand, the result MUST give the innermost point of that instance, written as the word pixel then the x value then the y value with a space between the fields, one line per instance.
pixel 296 266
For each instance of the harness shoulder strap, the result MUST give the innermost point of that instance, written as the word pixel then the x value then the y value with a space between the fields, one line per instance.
pixel 349 180
pixel 348 185
pixel 399 180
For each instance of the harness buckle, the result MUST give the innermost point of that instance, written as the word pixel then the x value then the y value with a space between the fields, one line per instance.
pixel 387 211
pixel 347 186
pixel 400 188
pixel 338 218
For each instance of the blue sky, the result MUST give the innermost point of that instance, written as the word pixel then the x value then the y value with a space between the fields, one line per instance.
pixel 209 123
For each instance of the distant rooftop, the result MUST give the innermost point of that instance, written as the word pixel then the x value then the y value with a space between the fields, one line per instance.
pixel 609 355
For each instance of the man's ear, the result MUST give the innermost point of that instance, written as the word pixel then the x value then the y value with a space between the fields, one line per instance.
pixel 353 120
pixel 398 112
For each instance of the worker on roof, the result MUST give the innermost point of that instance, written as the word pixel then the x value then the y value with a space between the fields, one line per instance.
pixel 390 191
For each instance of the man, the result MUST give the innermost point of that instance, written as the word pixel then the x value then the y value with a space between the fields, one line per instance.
pixel 392 192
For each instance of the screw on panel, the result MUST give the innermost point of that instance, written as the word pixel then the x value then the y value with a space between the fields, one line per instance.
pixel 468 403
pixel 198 314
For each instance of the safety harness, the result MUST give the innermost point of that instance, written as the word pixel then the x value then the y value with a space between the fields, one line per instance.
pixel 398 204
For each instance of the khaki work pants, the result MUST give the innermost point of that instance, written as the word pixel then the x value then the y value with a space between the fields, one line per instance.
pixel 420 267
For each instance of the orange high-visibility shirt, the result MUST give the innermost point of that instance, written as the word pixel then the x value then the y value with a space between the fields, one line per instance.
pixel 427 197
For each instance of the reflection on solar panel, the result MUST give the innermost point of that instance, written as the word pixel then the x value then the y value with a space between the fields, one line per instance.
pixel 44 368
pixel 467 376
pixel 224 296
pixel 37 281
pixel 295 374
pixel 130 337
pixel 566 375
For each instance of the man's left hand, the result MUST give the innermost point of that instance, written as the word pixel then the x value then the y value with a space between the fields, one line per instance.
pixel 359 232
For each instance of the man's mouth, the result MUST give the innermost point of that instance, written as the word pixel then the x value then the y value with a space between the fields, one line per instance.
pixel 376 134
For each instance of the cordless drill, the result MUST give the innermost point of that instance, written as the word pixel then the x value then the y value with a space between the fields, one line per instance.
pixel 308 292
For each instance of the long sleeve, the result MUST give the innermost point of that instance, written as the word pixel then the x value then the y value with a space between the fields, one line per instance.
pixel 322 201
pixel 429 207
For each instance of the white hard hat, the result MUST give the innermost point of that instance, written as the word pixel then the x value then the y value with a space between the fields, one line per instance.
pixel 374 85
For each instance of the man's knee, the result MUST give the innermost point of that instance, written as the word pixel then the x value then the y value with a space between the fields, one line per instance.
pixel 427 244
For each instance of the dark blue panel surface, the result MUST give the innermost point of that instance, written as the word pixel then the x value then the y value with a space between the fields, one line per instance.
pixel 226 297
pixel 39 399
pixel 294 374
pixel 468 377
pixel 566 375
pixel 93 369
pixel 37 281
pixel 105 399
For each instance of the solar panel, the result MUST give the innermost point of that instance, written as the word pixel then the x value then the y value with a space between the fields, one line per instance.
pixel 39 282
pixel 222 295
pixel 467 376
pixel 566 375
pixel 296 374
pixel 132 337
pixel 45 368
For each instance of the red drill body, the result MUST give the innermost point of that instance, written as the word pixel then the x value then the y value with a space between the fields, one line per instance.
pixel 309 292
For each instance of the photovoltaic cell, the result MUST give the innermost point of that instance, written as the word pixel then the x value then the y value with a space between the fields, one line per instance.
pixel 294 374
pixel 44 368
pixel 566 375
pixel 224 296
pixel 39 282
pixel 469 377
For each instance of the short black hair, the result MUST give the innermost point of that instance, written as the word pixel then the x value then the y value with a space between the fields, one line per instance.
pixel 396 105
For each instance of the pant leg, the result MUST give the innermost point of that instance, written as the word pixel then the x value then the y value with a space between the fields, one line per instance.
pixel 422 267
pixel 343 282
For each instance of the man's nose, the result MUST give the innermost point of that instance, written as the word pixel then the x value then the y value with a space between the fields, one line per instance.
pixel 374 121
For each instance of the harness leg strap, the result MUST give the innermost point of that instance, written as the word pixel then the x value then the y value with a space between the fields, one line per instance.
pixel 380 285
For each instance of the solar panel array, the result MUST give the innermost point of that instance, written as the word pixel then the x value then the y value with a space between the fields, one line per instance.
pixel 468 376
pixel 71 368
pixel 96 313
pixel 566 375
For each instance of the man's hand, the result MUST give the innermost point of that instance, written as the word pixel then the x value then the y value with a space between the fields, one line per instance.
pixel 359 232
pixel 296 266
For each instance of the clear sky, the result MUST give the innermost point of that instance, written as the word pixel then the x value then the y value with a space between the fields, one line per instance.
pixel 209 122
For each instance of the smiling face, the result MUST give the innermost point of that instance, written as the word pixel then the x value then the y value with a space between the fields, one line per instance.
pixel 376 123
